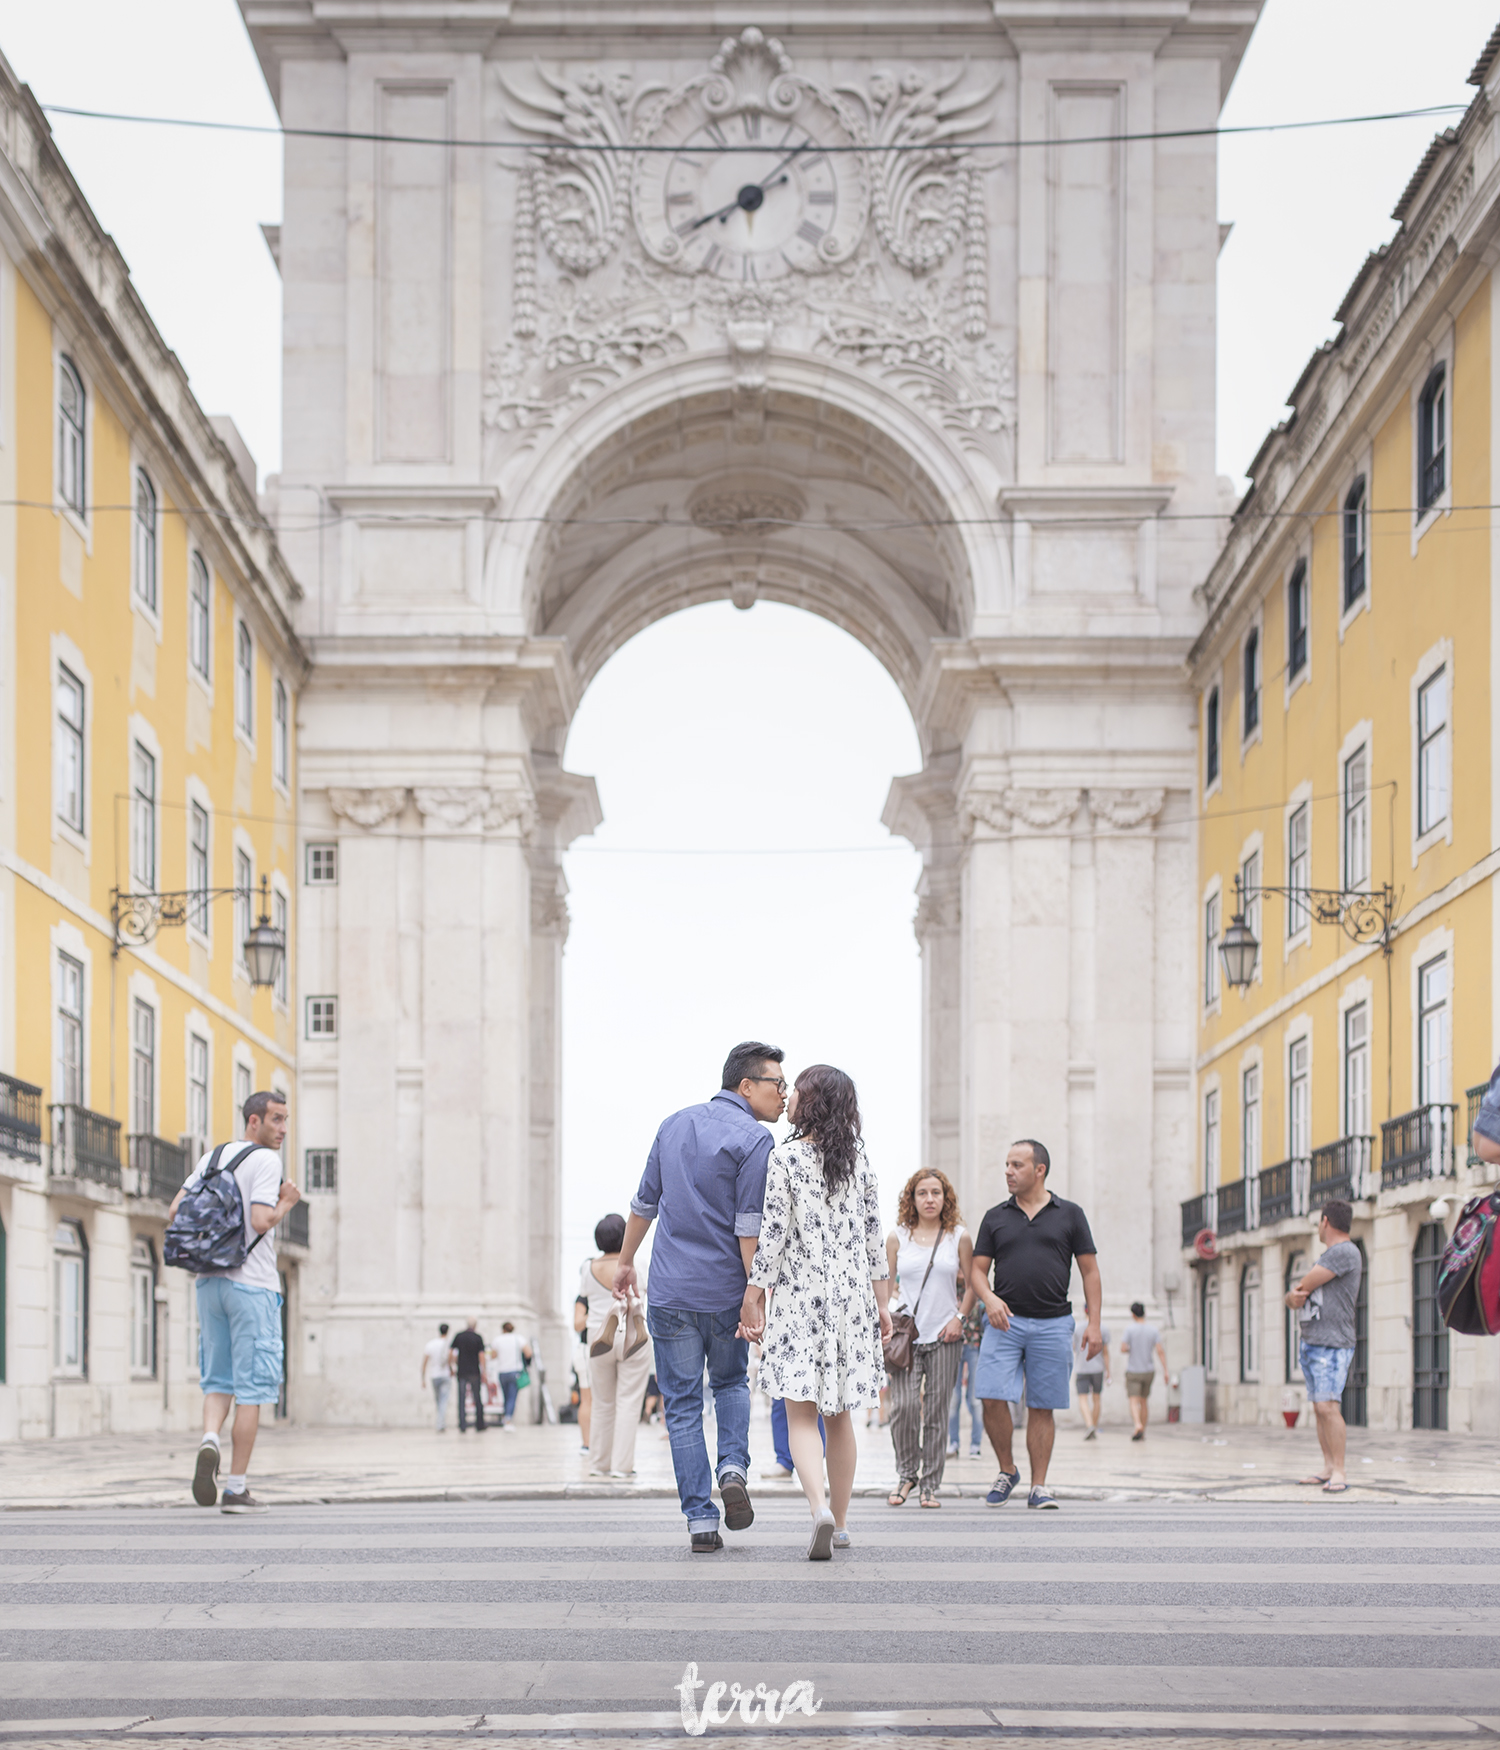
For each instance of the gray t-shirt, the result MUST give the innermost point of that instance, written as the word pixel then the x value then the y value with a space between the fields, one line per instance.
pixel 1142 1341
pixel 1081 1362
pixel 1327 1319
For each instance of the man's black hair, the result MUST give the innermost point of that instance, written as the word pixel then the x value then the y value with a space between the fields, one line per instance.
pixel 1039 1153
pixel 1339 1215
pixel 746 1059
pixel 1137 1309
pixel 255 1106
pixel 442 1330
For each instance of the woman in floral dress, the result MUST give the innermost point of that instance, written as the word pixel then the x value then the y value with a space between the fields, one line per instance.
pixel 822 1262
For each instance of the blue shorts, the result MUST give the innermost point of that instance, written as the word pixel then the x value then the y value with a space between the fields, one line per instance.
pixel 1325 1371
pixel 1038 1351
pixel 239 1340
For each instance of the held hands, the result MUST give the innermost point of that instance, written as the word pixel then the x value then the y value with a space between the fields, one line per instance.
pixel 999 1314
pixel 885 1324
pixel 752 1326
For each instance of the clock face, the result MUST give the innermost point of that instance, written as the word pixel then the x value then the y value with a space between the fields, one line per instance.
pixel 780 203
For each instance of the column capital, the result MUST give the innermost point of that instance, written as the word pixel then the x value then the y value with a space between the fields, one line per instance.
pixel 368 808
pixel 454 806
pixel 512 812
pixel 1125 810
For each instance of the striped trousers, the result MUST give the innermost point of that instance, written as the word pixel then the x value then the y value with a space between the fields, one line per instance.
pixel 919 1411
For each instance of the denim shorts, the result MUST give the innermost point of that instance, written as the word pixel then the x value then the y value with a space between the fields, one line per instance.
pixel 1325 1371
pixel 1036 1351
pixel 239 1340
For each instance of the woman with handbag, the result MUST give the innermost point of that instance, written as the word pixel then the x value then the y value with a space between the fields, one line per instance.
pixel 620 1356
pixel 929 1253
pixel 820 1262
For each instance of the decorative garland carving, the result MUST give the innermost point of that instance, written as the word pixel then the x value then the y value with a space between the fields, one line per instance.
pixel 1042 810
pixel 367 808
pixel 452 806
pixel 1125 810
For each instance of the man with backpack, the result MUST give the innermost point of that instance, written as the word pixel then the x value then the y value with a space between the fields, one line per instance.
pixel 222 1227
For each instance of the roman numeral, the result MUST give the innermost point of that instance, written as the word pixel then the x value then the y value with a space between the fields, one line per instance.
pixel 747 267
pixel 750 122
pixel 685 227
pixel 821 197
pixel 676 200
pixel 716 133
pixel 710 257
pixel 811 233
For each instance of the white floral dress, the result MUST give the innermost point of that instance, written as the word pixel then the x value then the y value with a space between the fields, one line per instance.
pixel 817 1257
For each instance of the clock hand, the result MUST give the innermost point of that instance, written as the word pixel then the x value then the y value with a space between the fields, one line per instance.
pixel 753 193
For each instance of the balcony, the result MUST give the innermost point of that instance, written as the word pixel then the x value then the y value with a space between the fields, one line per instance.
pixel 1197 1214
pixel 1283 1190
pixel 20 1119
pixel 295 1227
pixel 1475 1097
pixel 160 1166
pixel 85 1145
pixel 1233 1215
pixel 1417 1145
pixel 1340 1169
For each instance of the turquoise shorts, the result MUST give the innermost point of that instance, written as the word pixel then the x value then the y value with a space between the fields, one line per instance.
pixel 239 1340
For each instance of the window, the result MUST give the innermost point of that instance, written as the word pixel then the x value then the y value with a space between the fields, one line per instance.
pixel 1357 1070
pixel 281 733
pixel 1296 621
pixel 322 1017
pixel 1296 1269
pixel 1250 887
pixel 1252 683
pixel 69 1083
pixel 1432 752
pixel 244 1087
pixel 322 1169
pixel 1298 866
pixel 143 539
pixel 198 867
pixel 1250 1121
pixel 142 1307
pixel 200 616
pixel 1211 951
pixel 143 818
pixel 142 1068
pixel 1432 439
pixel 1356 539
pixel 1299 1109
pixel 1209 1325
pixel 1210 1139
pixel 69 1300
pixel 322 865
pixel 71 409
pixel 68 750
pixel 1211 738
pixel 244 886
pixel 244 680
pixel 1250 1324
pixel 197 1096
pixel 1357 819
pixel 1434 1033
pixel 279 921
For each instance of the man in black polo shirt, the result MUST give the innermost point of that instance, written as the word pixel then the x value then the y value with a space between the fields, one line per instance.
pixel 1031 1241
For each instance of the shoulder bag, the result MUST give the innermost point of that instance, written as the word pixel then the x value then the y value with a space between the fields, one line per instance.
pixel 899 1345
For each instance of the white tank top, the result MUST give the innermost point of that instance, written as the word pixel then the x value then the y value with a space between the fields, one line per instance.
pixel 939 1301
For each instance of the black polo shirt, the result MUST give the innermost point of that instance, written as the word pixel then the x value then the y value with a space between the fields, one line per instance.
pixel 1034 1257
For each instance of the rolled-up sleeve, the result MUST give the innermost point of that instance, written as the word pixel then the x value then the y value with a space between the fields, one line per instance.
pixel 1487 1119
pixel 647 1199
pixel 750 1186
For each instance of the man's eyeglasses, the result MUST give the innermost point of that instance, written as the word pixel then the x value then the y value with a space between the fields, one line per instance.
pixel 778 1082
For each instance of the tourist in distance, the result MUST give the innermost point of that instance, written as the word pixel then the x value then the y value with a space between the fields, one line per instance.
pixel 1142 1350
pixel 513 1355
pixel 1324 1301
pixel 468 1370
pixel 963 1389
pixel 1090 1376
pixel 437 1366
pixel 705 1179
pixel 581 1370
pixel 928 1253
pixel 619 1355
pixel 1030 1242
pixel 821 1265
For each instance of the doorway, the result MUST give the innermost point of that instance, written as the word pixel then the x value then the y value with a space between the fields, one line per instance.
pixel 1355 1402
pixel 1429 1335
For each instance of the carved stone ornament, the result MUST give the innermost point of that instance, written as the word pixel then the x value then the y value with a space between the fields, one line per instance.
pixel 453 806
pixel 511 808
pixel 732 507
pixel 1125 810
pixel 549 912
pixel 1042 810
pixel 367 808
pixel 984 808
pixel 938 910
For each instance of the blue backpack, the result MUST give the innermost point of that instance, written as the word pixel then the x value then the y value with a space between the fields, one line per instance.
pixel 208 1231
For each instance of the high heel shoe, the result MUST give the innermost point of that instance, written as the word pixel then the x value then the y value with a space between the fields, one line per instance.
pixel 605 1341
pixel 635 1332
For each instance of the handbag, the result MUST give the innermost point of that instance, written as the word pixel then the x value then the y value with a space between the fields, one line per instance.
pixel 902 1340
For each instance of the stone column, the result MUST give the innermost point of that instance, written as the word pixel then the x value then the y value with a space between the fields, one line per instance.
pixel 985 980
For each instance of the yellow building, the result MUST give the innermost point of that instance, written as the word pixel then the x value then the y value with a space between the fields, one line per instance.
pixel 1345 678
pixel 148 678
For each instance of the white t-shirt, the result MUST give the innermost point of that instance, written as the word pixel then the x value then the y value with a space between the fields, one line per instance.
pixel 938 1302
pixel 259 1176
pixel 437 1359
pixel 508 1356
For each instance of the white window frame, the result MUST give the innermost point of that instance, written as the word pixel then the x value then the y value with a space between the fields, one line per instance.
pixel 1440 655
pixel 1211 1132
pixel 1256 630
pixel 1298 1032
pixel 198 1028
pixel 200 920
pixel 1352 1121
pixel 1252 1148
pixel 1254 846
pixel 1212 1325
pixel 65 653
pixel 281 735
pixel 244 685
pixel 1301 798
pixel 320 1018
pixel 70 748
pixel 1442 505
pixel 203 676
pixel 242 878
pixel 1213 689
pixel 1349 612
pixel 145 548
pixel 143 1000
pixel 1211 916
pixel 281 918
pixel 328 847
pixel 142 1308
pixel 70 1263
pixel 320 1170
pixel 1434 946
pixel 71 950
pixel 1302 559
pixel 1252 1301
pixel 241 1077
pixel 80 517
pixel 1360 739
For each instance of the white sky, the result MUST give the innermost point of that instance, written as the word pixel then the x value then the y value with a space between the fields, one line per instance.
pixel 716 729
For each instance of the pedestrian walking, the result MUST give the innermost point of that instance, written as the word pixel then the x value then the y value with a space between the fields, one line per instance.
pixel 705 1179
pixel 784 1469
pixel 928 1254
pixel 239 1307
pixel 963 1389
pixel 437 1366
pixel 469 1350
pixel 581 1370
pixel 1090 1376
pixel 513 1355
pixel 1030 1242
pixel 1324 1301
pixel 822 1266
pixel 619 1355
pixel 1142 1350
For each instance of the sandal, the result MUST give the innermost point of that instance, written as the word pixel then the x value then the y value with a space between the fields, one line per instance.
pixel 897 1496
pixel 930 1499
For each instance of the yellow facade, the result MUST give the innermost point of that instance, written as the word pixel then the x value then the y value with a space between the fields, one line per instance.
pixel 147 745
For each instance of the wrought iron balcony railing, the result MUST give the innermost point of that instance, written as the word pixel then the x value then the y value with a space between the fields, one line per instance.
pixel 1340 1169
pixel 1283 1190
pixel 295 1226
pixel 20 1119
pixel 1475 1097
pixel 160 1166
pixel 1197 1214
pixel 85 1145
pixel 1417 1145
pixel 1235 1212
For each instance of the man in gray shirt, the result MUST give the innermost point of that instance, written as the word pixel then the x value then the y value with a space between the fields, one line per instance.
pixel 1142 1350
pixel 1324 1301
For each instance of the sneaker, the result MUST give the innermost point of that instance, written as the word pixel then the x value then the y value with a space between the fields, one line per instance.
pixel 1040 1498
pixel 206 1474
pixel 1004 1483
pixel 841 1539
pixel 243 1502
pixel 706 1542
pixel 1093 1434
pixel 820 1544
pixel 739 1515
pixel 975 1452
pixel 953 1449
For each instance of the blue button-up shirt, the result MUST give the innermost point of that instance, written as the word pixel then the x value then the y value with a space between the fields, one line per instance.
pixel 704 1185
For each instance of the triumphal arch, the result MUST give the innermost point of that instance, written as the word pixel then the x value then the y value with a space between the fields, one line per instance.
pixel 903 313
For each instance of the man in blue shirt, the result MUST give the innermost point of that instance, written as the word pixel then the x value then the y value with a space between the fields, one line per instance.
pixel 705 1183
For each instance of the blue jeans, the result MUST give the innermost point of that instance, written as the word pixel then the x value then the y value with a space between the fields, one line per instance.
pixel 779 1442
pixel 507 1383
pixel 963 1387
pixel 684 1342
